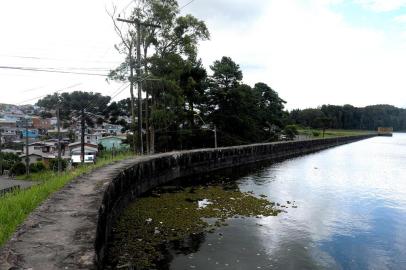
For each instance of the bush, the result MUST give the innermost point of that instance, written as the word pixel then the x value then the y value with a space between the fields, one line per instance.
pixel 291 131
pixel 37 167
pixel 316 133
pixel 18 169
pixel 53 164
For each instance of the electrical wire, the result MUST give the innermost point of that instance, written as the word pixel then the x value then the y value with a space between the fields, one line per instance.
pixel 52 71
pixel 190 2
pixel 69 87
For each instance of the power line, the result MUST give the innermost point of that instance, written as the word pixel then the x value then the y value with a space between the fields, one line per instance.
pixel 190 2
pixel 57 59
pixel 52 71
pixel 66 88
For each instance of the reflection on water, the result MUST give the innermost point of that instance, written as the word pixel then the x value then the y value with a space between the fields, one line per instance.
pixel 351 214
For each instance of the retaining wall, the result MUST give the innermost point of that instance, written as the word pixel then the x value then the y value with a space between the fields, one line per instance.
pixel 72 228
pixel 155 171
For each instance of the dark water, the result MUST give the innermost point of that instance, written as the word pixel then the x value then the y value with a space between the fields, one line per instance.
pixel 351 214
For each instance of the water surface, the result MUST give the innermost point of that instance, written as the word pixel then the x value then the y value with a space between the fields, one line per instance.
pixel 351 214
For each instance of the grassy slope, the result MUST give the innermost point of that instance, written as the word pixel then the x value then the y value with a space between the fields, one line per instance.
pixel 15 207
pixel 332 133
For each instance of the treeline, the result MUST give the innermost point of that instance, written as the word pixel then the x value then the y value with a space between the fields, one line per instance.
pixel 350 117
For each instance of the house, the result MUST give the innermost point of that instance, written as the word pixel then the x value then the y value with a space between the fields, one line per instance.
pixel 113 129
pixel 90 138
pixel 39 157
pixel 31 134
pixel 114 142
pixel 7 123
pixel 53 133
pixel 41 124
pixel 9 134
pixel 43 151
pixel 75 150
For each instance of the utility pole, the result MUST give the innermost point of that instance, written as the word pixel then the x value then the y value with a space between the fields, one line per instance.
pixel 82 138
pixel 1 155
pixel 132 98
pixel 215 136
pixel 27 159
pixel 138 25
pixel 59 137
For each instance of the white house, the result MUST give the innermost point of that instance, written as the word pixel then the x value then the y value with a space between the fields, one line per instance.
pixel 75 150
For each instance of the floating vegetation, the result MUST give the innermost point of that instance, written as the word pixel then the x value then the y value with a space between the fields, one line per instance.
pixel 151 223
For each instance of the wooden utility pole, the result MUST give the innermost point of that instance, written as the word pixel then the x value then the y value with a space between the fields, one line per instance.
pixel 59 136
pixel 1 155
pixel 132 99
pixel 27 159
pixel 138 25
pixel 82 137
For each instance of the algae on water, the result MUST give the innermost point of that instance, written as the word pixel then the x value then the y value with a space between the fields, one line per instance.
pixel 151 223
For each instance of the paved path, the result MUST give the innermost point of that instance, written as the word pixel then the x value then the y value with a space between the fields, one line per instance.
pixel 53 235
pixel 6 182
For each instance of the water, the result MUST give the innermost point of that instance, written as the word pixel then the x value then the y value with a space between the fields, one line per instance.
pixel 351 214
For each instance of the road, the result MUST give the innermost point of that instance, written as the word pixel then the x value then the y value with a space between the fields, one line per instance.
pixel 6 182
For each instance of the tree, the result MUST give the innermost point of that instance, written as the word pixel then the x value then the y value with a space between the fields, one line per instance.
pixel 178 36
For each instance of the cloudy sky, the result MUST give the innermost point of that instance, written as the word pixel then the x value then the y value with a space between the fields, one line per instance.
pixel 312 52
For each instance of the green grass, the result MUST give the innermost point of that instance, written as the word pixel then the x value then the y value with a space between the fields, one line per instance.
pixel 333 133
pixel 15 207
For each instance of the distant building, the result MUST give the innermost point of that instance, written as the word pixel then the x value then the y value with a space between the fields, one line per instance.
pixel 9 134
pixel 75 150
pixel 7 123
pixel 113 129
pixel 114 142
pixel 90 138
pixel 31 134
pixel 385 131
pixel 41 124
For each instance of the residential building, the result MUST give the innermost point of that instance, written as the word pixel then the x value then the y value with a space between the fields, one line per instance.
pixel 113 129
pixel 41 124
pixel 114 142
pixel 75 150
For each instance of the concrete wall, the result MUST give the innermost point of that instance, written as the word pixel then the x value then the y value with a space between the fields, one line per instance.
pixel 71 229
pixel 157 170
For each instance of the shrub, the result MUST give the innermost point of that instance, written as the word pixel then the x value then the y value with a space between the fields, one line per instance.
pixel 53 164
pixel 18 169
pixel 316 133
pixel 291 131
pixel 37 167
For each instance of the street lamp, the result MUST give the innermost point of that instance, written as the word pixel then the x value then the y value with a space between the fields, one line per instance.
pixel 214 129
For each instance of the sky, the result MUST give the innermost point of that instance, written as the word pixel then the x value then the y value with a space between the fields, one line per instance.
pixel 312 52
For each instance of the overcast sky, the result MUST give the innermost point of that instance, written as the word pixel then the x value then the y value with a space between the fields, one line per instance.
pixel 312 52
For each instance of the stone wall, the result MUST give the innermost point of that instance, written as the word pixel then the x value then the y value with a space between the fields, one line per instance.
pixel 150 172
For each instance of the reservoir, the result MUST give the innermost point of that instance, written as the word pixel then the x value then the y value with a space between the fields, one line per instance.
pixel 341 208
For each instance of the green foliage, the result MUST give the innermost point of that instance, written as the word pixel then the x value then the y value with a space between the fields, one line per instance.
pixel 53 164
pixel 316 133
pixel 9 159
pixel 291 131
pixel 37 167
pixel 352 118
pixel 75 101
pixel 18 168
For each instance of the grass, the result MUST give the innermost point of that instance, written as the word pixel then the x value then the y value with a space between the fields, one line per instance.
pixel 333 133
pixel 16 206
